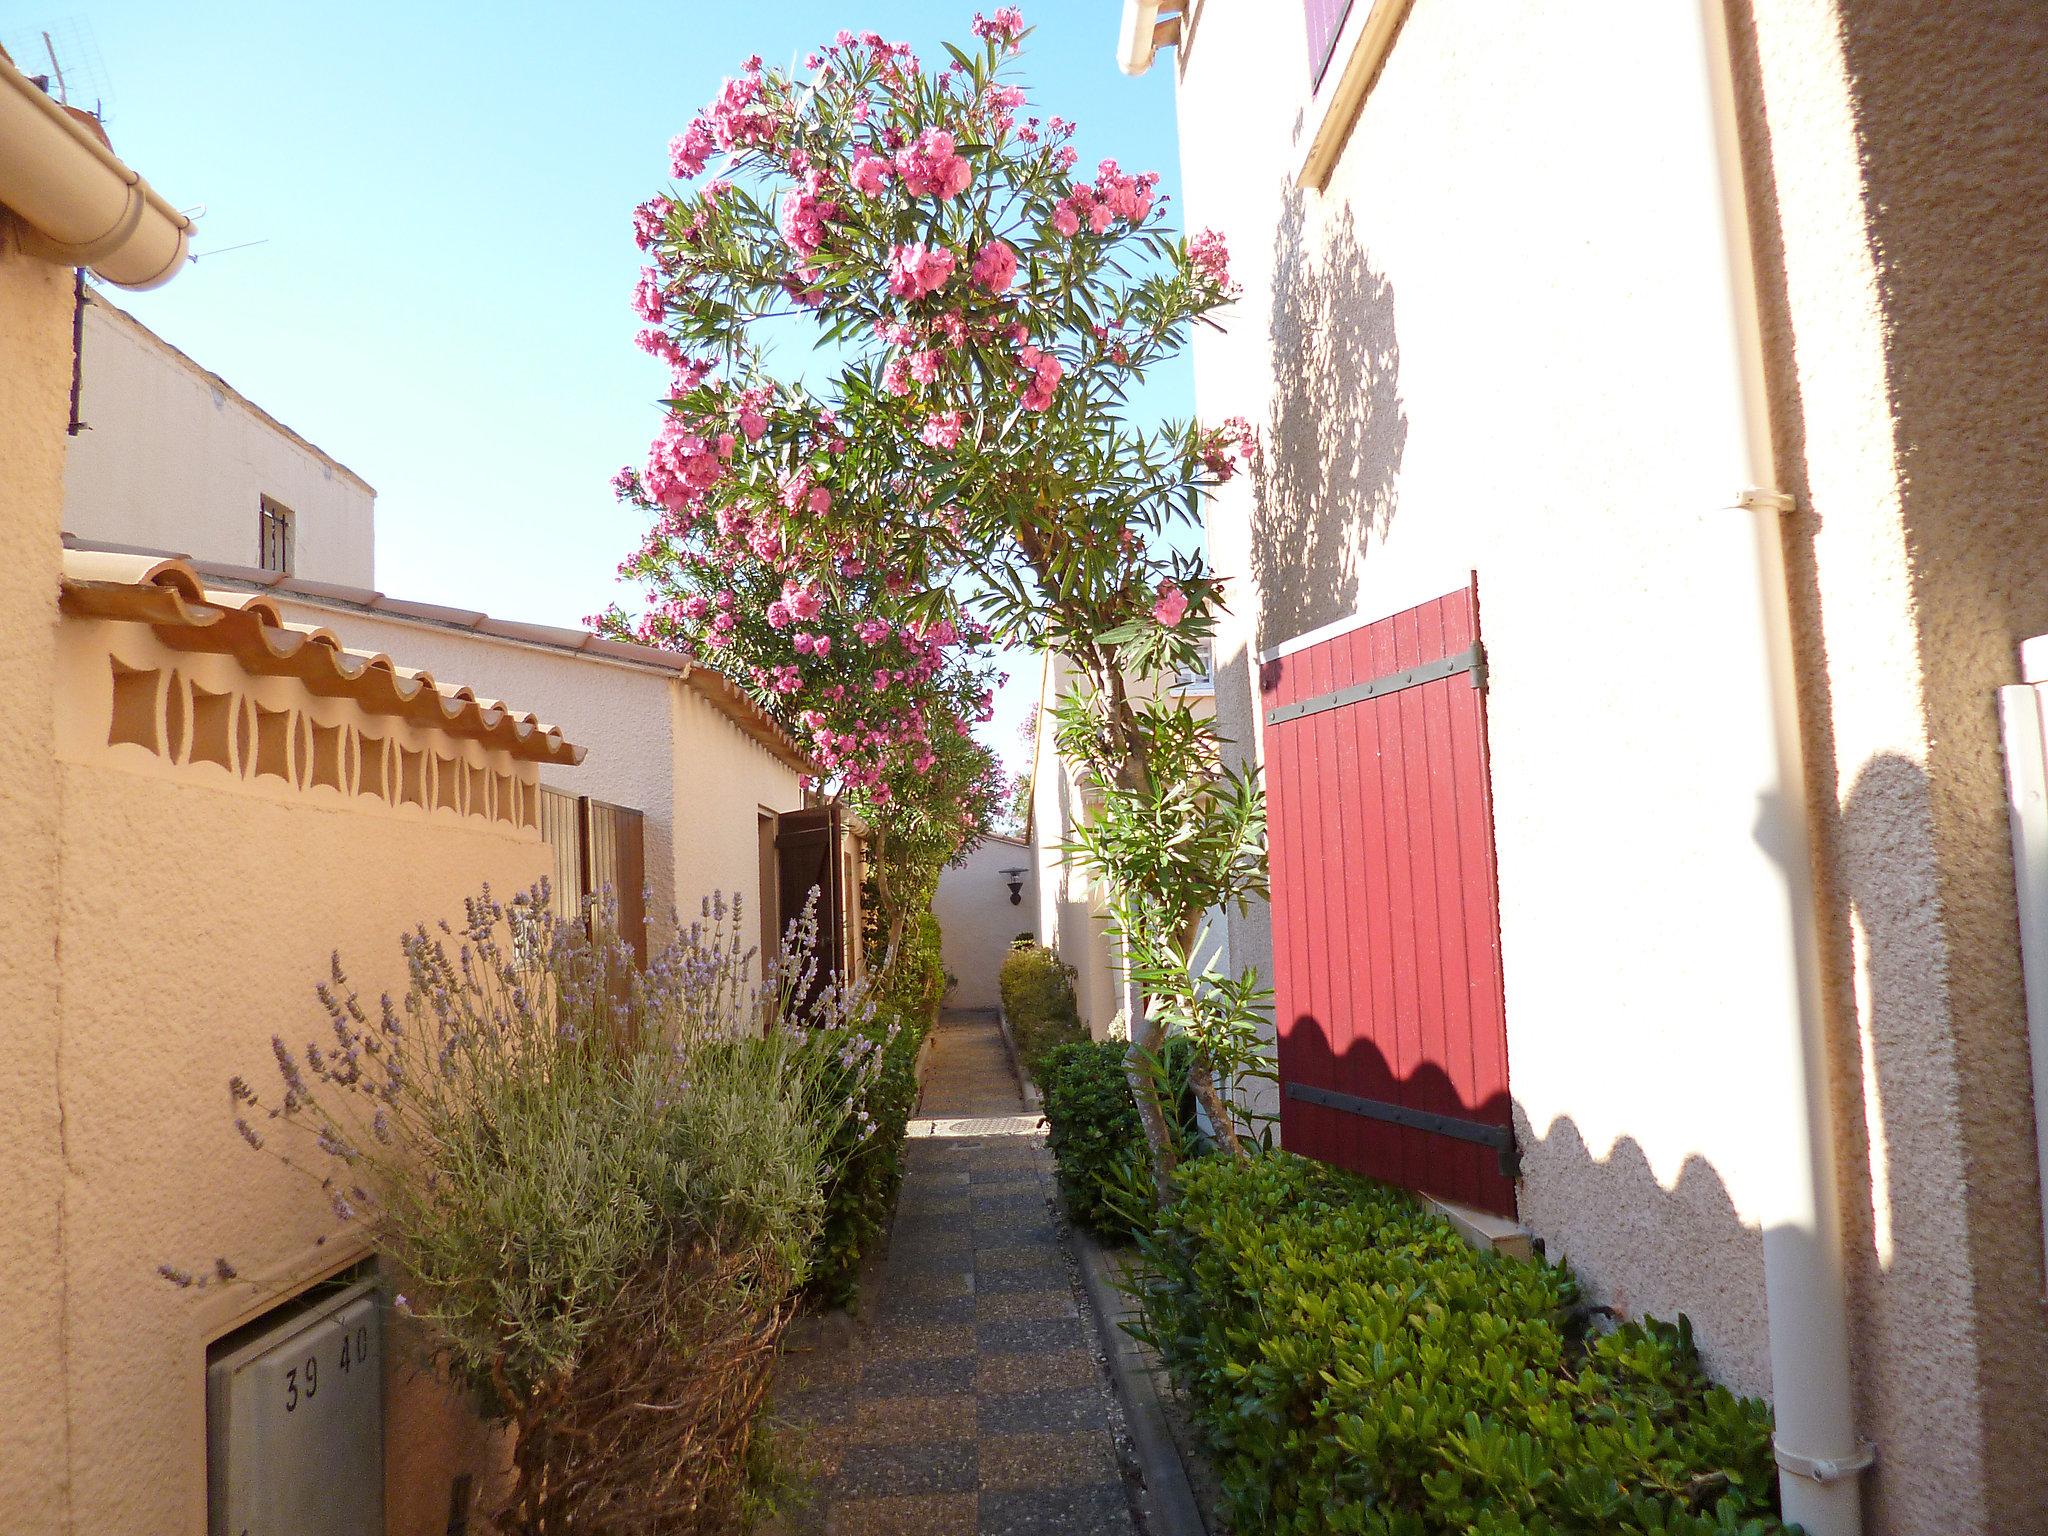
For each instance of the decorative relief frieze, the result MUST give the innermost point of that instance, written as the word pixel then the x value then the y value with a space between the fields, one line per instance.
pixel 172 715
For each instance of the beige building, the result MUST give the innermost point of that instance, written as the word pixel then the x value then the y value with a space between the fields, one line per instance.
pixel 1714 349
pixel 983 903
pixel 1073 906
pixel 212 779
pixel 170 456
pixel 702 770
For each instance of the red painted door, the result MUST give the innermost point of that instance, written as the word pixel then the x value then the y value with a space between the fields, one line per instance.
pixel 1386 915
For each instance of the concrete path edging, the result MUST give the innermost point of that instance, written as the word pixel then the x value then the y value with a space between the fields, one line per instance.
pixel 1174 1508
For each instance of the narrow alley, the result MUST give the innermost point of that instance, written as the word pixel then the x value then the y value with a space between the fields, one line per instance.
pixel 970 1397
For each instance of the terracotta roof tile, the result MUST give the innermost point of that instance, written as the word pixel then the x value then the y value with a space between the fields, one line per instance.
pixel 170 596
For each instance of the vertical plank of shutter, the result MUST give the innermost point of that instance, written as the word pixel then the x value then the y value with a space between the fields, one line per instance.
pixel 1285 879
pixel 1456 902
pixel 1333 981
pixel 1398 986
pixel 1481 881
pixel 1426 1083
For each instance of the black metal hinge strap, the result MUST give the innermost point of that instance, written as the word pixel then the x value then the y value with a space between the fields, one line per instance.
pixel 1499 1137
pixel 1472 659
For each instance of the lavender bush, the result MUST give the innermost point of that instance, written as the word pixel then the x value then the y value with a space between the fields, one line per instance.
pixel 601 1183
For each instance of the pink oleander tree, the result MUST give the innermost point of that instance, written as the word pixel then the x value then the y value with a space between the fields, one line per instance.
pixel 885 708
pixel 954 447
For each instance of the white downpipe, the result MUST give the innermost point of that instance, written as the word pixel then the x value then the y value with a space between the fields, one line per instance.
pixel 1136 42
pixel 81 206
pixel 1820 1457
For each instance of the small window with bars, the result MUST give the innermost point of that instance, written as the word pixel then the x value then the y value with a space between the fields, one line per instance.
pixel 274 537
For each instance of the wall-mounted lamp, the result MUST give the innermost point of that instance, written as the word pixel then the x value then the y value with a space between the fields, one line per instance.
pixel 1016 879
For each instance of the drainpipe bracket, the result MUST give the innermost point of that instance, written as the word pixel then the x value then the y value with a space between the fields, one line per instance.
pixel 1754 498
pixel 1826 1469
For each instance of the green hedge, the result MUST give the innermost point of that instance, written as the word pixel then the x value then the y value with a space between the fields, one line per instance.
pixel 1098 1146
pixel 1038 1002
pixel 859 1200
pixel 1358 1367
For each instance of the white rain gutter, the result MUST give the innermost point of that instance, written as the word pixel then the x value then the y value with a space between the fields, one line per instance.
pixel 80 206
pixel 1144 32
pixel 1820 1457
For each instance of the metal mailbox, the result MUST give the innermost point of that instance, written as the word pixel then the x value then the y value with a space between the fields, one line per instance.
pixel 295 1423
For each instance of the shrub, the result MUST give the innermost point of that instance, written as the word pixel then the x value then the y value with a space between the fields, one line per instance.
pixel 1097 1144
pixel 868 1154
pixel 1038 1000
pixel 1357 1367
pixel 601 1187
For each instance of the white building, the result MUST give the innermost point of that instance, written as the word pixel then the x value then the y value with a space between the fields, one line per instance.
pixel 171 457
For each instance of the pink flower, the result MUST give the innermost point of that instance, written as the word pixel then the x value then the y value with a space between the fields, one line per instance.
pixel 930 168
pixel 648 302
pixel 778 614
pixel 942 429
pixel 820 500
pixel 870 172
pixel 1208 255
pixel 996 267
pixel 896 376
pixel 803 217
pixel 649 220
pixel 688 150
pixel 1006 26
pixel 1066 221
pixel 916 270
pixel 872 631
pixel 1172 606
pixel 924 366
pixel 1045 377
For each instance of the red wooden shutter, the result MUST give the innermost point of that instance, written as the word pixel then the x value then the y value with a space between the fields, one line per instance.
pixel 1386 916
pixel 1325 22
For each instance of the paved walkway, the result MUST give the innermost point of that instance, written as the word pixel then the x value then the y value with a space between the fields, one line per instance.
pixel 971 1398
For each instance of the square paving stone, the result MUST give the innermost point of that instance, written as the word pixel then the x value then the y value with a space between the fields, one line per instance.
pixel 907 1421
pixel 1077 1459
pixel 1022 1306
pixel 1034 1413
pixel 880 1471
pixel 934 1284
pixel 1007 1202
pixel 1100 1510
pixel 1010 1256
pixel 1007 1279
pixel 1071 1368
pixel 917 1378
pixel 923 1309
pixel 1006 1230
pixel 911 1341
pixel 1031 1336
pixel 931 1514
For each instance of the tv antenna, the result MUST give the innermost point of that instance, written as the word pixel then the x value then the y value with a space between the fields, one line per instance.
pixel 78 72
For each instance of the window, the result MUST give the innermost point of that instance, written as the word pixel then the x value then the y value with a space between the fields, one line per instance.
pixel 274 537
pixel 1325 22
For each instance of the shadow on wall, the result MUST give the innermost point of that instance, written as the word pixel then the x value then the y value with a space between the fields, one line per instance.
pixel 1336 432
pixel 1646 1248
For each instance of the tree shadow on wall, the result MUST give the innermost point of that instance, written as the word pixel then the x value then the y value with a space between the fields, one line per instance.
pixel 1330 471
pixel 1638 1245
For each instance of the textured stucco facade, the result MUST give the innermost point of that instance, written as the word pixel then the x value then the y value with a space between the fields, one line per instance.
pixel 35 341
pixel 1495 343
pixel 977 923
pixel 177 459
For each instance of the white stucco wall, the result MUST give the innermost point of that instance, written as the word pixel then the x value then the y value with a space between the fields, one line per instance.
pixel 1494 344
pixel 976 920
pixel 177 460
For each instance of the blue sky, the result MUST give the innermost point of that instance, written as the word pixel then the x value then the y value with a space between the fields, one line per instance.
pixel 444 191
